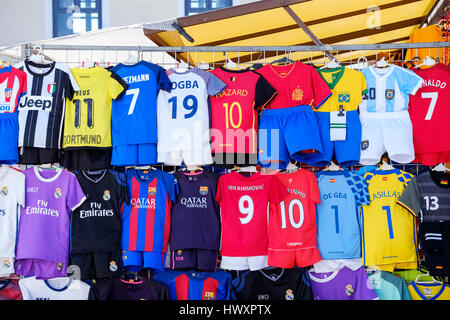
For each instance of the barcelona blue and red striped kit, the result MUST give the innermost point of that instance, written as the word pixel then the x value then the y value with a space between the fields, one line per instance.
pixel 146 220
pixel 193 285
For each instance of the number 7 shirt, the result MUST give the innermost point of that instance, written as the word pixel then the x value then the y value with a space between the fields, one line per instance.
pixel 244 206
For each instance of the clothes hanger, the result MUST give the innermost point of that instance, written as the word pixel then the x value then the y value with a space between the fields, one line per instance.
pixel 250 169
pixel 427 274
pixel 193 170
pixel 283 60
pixel 364 64
pixel 37 56
pixel 88 64
pixel 331 65
pixel 427 62
pixel 382 63
pixel 131 278
pixel 230 64
pixel 333 167
pixel 47 166
pixel 131 59
pixel 203 65
pixel 385 165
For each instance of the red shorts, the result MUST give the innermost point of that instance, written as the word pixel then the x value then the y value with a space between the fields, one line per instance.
pixel 432 158
pixel 291 258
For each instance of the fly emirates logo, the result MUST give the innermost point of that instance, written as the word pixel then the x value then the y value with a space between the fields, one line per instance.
pixel 41 207
pixel 143 203
pixel 96 211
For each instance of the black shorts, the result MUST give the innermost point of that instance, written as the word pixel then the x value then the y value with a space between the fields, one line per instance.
pixel 229 160
pixel 97 265
pixel 30 155
pixel 87 159
pixel 198 259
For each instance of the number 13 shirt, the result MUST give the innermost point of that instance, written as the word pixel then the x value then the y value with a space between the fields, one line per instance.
pixel 388 230
pixel 244 204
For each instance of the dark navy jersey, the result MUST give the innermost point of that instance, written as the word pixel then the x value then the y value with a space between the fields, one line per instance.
pixel 196 215
pixel 272 284
pixel 96 224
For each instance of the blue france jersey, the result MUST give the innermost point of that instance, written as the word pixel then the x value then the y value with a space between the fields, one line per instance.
pixel 337 216
pixel 133 118
pixel 388 89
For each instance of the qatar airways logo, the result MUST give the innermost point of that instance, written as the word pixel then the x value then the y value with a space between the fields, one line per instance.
pixel 41 207
pixel 143 203
pixel 194 202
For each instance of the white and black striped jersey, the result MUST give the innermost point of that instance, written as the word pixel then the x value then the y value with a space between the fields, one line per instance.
pixel 41 110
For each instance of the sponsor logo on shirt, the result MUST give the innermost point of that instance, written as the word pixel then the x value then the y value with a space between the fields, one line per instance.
pixel 96 211
pixel 38 103
pixel 4 191
pixel 41 207
pixel 143 203
pixel 194 202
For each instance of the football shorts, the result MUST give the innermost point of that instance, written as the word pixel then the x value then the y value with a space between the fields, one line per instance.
pixel 198 259
pixel 243 263
pixel 292 258
pixel 288 133
pixel 41 269
pixel 432 158
pixel 346 152
pixel 30 155
pixel 97 265
pixel 389 132
pixel 86 159
pixel 136 260
pixel 198 157
pixel 134 155
pixel 9 131
pixel 6 266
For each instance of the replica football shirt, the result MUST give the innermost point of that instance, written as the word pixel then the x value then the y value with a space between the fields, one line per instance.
pixel 61 288
pixel 272 284
pixel 10 290
pixel 146 220
pixel 388 229
pixel 388 89
pixel 118 289
pixel 338 224
pixel 292 222
pixel 13 85
pixel 192 285
pixel 432 291
pixel 343 284
pixel 234 112
pixel 244 203
pixel 296 84
pixel 429 116
pixel 87 122
pixel 44 227
pixel 42 109
pixel 431 33
pixel 388 286
pixel 195 220
pixel 135 111
pixel 12 196
pixel 96 225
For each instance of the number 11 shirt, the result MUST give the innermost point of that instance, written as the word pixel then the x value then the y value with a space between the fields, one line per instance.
pixel 244 204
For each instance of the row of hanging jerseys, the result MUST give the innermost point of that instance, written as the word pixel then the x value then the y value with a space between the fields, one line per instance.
pixel 265 235
pixel 141 114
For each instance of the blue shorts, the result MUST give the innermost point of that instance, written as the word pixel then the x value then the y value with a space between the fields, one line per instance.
pixel 346 152
pixel 136 260
pixel 134 155
pixel 288 133
pixel 198 259
pixel 9 133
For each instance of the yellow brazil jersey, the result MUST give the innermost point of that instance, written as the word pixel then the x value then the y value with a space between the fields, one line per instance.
pixel 347 86
pixel 429 291
pixel 388 230
pixel 87 122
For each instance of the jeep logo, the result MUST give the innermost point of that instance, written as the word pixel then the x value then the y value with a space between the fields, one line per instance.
pixel 36 103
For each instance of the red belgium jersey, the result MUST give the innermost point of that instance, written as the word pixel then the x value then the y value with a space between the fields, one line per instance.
pixel 234 111
pixel 244 204
pixel 292 222
pixel 429 112
pixel 296 84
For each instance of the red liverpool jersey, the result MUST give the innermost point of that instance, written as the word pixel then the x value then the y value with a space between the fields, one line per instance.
pixel 292 222
pixel 244 204
pixel 429 113
pixel 234 117
pixel 296 84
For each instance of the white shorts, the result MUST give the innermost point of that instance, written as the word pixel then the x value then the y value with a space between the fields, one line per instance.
pixel 244 263
pixel 189 157
pixel 389 132
pixel 6 266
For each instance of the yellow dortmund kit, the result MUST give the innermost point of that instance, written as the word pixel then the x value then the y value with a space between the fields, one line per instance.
pixel 87 123
pixel 388 230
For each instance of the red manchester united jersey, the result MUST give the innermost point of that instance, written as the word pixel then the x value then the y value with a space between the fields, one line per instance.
pixel 429 113
pixel 234 117
pixel 292 222
pixel 244 204
pixel 296 84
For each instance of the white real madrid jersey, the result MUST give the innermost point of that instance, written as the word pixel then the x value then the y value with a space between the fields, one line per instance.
pixel 388 89
pixel 12 195
pixel 183 113
pixel 63 288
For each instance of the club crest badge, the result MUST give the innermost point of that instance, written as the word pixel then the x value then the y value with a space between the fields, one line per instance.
pixel 349 290
pixel 203 190
pixel 4 191
pixel 344 97
pixel 289 295
pixel 364 144
pixel 390 94
pixel 209 295
pixel 8 94
pixel 152 191
pixel 297 94
pixel 6 263
pixel 58 193
pixel 59 266
pixel 113 266
pixel 106 195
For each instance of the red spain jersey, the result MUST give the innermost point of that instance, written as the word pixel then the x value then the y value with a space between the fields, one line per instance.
pixel 429 113
pixel 146 220
pixel 244 203
pixel 296 84
pixel 13 85
pixel 292 222
pixel 234 111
